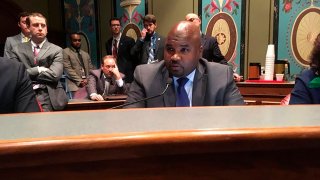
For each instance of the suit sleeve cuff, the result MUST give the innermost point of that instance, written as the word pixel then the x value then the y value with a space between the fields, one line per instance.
pixel 120 82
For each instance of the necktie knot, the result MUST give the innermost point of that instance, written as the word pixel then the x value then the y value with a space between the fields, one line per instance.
pixel 36 50
pixel 182 81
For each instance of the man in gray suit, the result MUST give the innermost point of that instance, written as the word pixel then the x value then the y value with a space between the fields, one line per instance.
pixel 77 64
pixel 43 61
pixel 196 82
pixel 106 81
pixel 24 36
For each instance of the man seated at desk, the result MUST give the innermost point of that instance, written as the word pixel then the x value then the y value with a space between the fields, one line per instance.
pixel 196 82
pixel 105 81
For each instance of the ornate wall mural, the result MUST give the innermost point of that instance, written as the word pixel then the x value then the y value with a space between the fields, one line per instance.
pixel 297 23
pixel 131 13
pixel 223 19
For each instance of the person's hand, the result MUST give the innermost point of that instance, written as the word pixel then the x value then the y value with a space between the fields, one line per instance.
pixel 83 83
pixel 236 77
pixel 143 33
pixel 116 73
pixel 97 97
pixel 42 69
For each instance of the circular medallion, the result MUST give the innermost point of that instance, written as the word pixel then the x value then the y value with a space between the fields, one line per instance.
pixel 305 30
pixel 132 30
pixel 223 28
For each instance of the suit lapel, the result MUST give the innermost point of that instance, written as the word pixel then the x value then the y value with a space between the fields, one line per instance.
pixel 169 96
pixel 158 39
pixel 121 43
pixel 43 50
pixel 17 38
pixel 29 53
pixel 199 86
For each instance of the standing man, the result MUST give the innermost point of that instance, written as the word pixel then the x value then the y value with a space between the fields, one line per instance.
pixel 196 82
pixel 211 50
pixel 77 64
pixel 149 48
pixel 23 36
pixel 105 81
pixel 43 61
pixel 119 46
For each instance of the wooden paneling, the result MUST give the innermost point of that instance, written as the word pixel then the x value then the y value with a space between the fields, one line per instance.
pixel 264 93
pixel 224 154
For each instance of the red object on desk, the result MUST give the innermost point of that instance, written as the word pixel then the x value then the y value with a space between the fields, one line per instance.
pixel 264 81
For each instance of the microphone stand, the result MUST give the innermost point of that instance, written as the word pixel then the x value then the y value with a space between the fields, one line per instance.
pixel 144 99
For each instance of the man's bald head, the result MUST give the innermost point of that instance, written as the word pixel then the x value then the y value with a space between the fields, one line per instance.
pixel 194 18
pixel 183 48
pixel 187 31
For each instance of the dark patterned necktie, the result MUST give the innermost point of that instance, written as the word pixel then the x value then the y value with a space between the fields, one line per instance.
pixel 182 96
pixel 115 49
pixel 81 60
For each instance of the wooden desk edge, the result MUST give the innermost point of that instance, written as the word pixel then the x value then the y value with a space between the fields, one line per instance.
pixel 22 153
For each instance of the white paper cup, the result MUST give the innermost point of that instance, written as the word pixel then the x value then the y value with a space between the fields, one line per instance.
pixel 279 77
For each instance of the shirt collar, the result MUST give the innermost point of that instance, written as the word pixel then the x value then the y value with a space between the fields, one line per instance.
pixel 189 76
pixel 118 37
pixel 22 35
pixel 40 45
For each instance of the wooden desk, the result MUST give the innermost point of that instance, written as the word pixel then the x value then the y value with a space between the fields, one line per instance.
pixel 83 104
pixel 248 142
pixel 257 93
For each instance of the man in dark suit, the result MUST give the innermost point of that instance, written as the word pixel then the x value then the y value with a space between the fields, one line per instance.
pixel 77 64
pixel 105 81
pixel 119 46
pixel 16 91
pixel 211 50
pixel 43 61
pixel 196 82
pixel 22 37
pixel 149 48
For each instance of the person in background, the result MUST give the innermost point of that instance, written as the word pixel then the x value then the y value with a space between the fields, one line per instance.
pixel 106 81
pixel 119 46
pixel 307 86
pixel 16 93
pixel 43 61
pixel 196 82
pixel 149 47
pixel 23 36
pixel 211 50
pixel 77 64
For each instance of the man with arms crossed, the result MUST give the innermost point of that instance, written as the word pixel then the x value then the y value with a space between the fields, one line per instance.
pixel 43 61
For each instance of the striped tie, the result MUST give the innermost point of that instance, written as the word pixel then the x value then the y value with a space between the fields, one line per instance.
pixel 151 51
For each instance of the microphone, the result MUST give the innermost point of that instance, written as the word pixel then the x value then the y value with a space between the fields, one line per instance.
pixel 168 83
